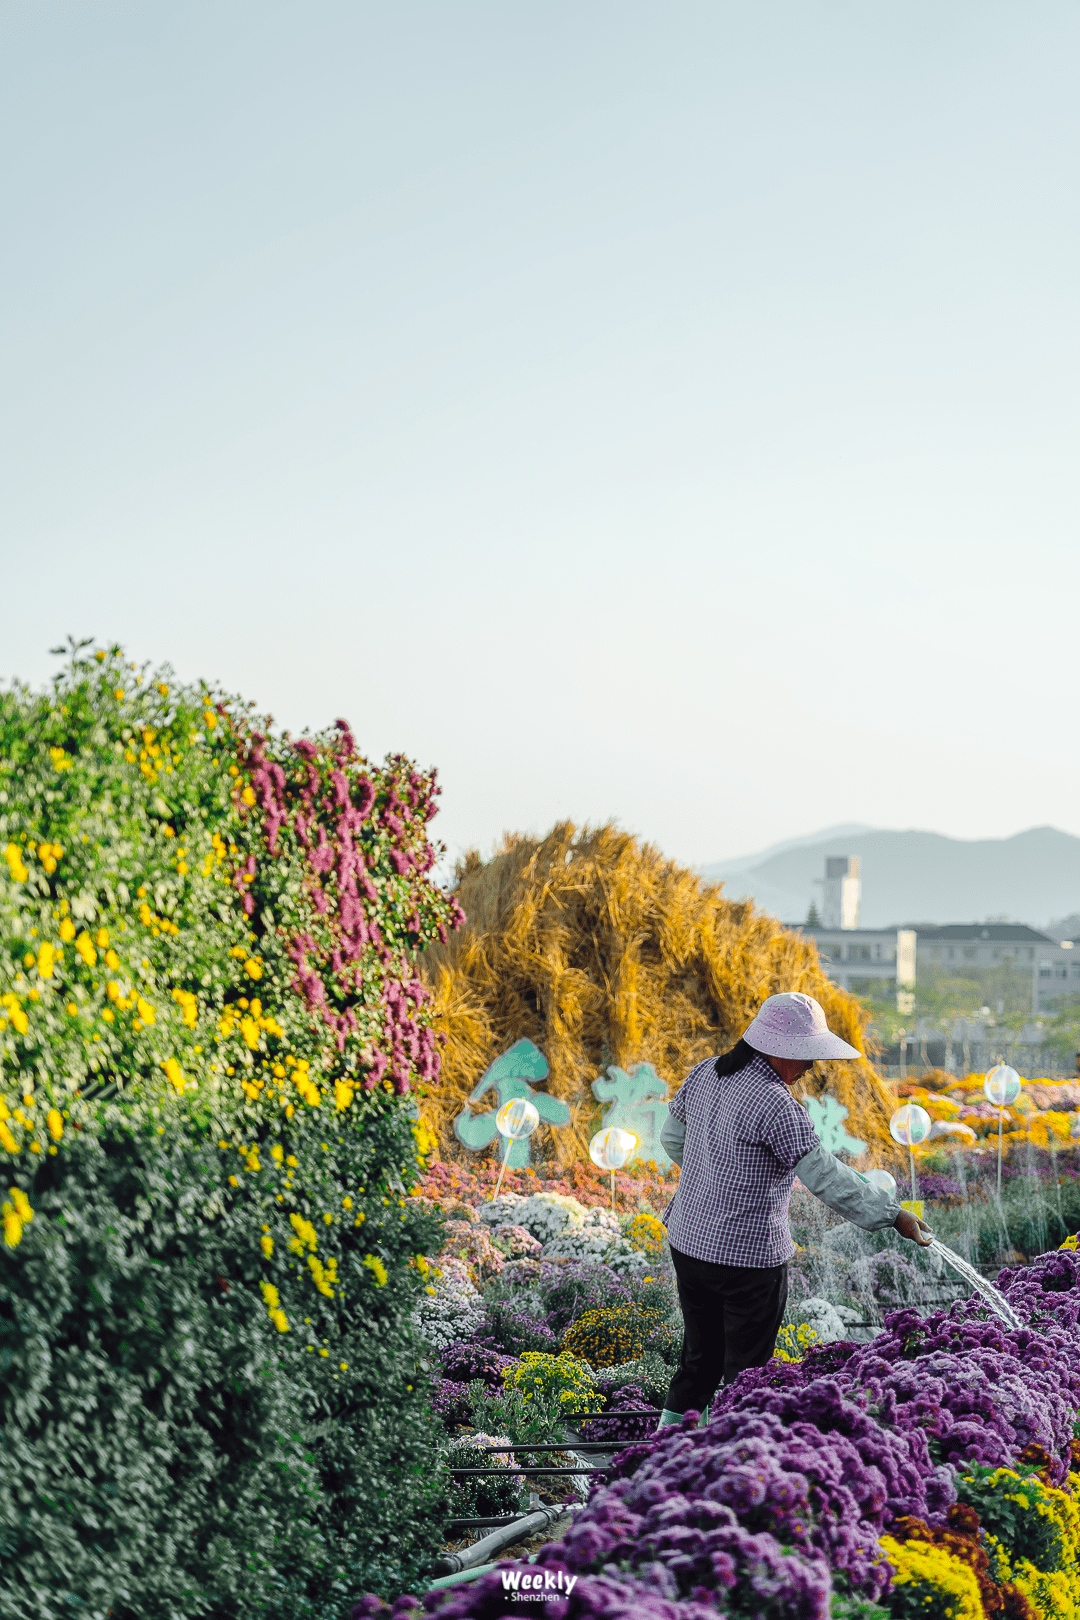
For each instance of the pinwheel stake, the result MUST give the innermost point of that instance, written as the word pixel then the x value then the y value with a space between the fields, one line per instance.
pixel 909 1126
pixel 1002 1087
pixel 515 1119
pixel 610 1149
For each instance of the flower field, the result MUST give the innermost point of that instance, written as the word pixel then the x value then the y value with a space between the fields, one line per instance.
pixel 929 1472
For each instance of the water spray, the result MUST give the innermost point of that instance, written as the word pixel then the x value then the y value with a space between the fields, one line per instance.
pixel 993 1296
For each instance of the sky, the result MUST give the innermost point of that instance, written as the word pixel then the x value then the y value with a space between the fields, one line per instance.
pixel 656 412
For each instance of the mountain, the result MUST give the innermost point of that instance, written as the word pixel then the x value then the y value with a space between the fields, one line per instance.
pixel 743 863
pixel 917 876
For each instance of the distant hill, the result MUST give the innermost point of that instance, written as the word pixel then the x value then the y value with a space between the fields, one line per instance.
pixel 917 876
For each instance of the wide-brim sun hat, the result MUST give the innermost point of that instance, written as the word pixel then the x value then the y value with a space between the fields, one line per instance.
pixel 792 1025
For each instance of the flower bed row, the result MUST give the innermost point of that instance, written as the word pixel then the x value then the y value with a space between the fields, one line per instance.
pixel 929 1472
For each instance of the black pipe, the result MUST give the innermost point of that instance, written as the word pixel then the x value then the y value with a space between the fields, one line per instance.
pixel 454 1526
pixel 565 1445
pixel 522 1468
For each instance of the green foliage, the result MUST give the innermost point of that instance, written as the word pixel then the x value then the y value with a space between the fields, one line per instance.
pixel 1017 1511
pixel 146 1393
pixel 524 1416
pixel 212 1401
pixel 649 1372
pixel 854 1608
pixel 665 1340
pixel 485 1496
pixel 655 1294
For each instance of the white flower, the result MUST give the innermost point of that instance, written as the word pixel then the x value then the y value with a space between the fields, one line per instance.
pixel 455 1309
pixel 545 1215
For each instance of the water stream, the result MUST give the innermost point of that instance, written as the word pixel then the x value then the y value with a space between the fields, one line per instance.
pixel 993 1297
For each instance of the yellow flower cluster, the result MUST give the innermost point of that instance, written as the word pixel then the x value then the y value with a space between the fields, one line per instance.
pixel 611 1335
pixel 305 1234
pixel 273 1306
pixel 326 1276
pixel 793 1342
pixel 15 1212
pixel 19 871
pixel 376 1267
pixel 15 1012
pixel 647 1233
pixel 427 1142
pixel 1054 1594
pixel 564 1375
pixel 189 1006
pixel 934 1573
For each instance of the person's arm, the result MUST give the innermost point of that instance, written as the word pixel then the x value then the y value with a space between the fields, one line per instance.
pixel 673 1138
pixel 838 1186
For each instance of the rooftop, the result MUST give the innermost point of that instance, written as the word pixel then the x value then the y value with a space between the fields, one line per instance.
pixel 993 933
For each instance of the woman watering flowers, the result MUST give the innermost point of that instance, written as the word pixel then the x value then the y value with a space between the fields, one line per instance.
pixel 741 1139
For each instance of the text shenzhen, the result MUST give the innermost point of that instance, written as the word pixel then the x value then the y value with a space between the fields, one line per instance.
pixel 537 1586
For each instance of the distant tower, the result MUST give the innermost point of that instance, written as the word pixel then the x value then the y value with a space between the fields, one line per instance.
pixel 840 907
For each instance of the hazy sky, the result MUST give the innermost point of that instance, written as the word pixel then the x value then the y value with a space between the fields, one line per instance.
pixel 659 411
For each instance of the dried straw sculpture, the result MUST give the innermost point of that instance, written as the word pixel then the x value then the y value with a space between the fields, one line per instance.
pixel 601 951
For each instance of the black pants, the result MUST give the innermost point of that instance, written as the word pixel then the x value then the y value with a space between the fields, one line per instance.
pixel 731 1316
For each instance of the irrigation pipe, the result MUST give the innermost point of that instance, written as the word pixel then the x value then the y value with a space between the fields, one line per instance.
pixel 483 1551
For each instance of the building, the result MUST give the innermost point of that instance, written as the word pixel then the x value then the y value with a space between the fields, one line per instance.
pixel 889 959
pixel 843 891
pixel 1054 967
pixel 855 958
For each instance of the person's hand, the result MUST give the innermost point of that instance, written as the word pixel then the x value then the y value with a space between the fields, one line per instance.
pixel 910 1226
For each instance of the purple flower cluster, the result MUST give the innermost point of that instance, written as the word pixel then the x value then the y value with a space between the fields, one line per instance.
pixel 514 1331
pixel 628 1398
pixel 568 1291
pixel 450 1402
pixel 463 1361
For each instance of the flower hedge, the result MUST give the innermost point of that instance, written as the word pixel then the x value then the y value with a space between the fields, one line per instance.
pixel 210 1025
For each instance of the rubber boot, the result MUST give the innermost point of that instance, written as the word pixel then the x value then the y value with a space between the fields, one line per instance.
pixel 703 1421
pixel 667 1418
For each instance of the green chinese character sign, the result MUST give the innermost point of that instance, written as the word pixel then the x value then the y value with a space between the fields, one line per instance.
pixel 638 1100
pixel 510 1075
pixel 827 1116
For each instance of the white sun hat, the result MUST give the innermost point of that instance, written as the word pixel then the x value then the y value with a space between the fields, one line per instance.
pixel 792 1025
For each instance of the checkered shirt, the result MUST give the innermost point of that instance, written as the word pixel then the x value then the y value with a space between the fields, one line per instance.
pixel 745 1133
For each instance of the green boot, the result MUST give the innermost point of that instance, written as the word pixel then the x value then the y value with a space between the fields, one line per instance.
pixel 667 1418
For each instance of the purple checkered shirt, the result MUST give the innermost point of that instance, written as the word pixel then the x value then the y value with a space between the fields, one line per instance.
pixel 745 1133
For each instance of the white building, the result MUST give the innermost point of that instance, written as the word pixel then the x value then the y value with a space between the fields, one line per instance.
pixel 854 958
pixel 843 891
